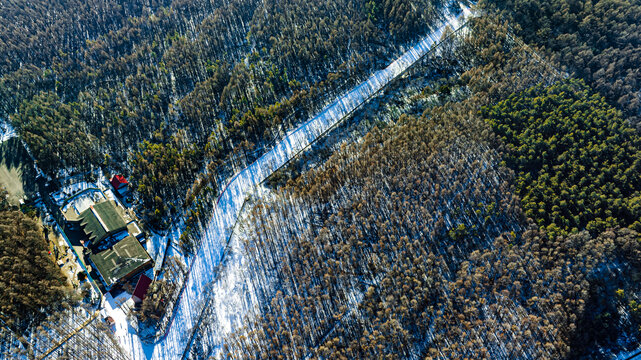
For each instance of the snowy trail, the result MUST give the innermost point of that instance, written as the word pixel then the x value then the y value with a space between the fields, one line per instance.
pixel 228 207
pixel 6 131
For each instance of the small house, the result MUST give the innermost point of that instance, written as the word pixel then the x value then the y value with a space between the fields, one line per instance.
pixel 141 289
pixel 120 184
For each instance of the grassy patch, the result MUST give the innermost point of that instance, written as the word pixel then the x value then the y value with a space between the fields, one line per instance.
pixel 17 174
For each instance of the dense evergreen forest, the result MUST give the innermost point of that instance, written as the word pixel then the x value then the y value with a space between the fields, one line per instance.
pixel 597 40
pixel 577 161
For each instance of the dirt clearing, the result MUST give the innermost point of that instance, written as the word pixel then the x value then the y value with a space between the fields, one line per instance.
pixel 17 174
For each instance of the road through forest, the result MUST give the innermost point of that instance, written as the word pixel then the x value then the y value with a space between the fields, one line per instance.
pixel 218 230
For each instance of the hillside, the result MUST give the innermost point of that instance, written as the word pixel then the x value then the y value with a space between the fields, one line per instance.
pixel 332 179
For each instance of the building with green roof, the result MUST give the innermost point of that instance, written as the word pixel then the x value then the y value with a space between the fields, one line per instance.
pixel 101 220
pixel 120 262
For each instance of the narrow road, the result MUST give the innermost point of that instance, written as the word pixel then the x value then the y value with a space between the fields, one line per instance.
pixel 194 297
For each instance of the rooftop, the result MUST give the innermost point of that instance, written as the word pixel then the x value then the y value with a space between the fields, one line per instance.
pixel 101 220
pixel 118 181
pixel 124 258
pixel 134 229
pixel 141 288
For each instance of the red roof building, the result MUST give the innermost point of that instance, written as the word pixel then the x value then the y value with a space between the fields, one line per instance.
pixel 119 183
pixel 141 288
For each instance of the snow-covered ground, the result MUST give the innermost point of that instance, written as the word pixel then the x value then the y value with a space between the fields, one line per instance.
pixel 629 355
pixel 84 200
pixel 117 308
pixel 200 281
pixel 6 131
pixel 68 191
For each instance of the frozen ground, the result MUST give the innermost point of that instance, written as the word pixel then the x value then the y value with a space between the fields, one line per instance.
pixel 629 355
pixel 83 201
pixel 6 131
pixel 117 308
pixel 201 280
pixel 71 190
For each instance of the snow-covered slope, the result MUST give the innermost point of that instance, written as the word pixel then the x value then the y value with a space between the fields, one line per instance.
pixel 6 131
pixel 201 276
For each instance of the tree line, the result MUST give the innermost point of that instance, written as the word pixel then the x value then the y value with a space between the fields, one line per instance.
pixel 352 261
pixel 599 41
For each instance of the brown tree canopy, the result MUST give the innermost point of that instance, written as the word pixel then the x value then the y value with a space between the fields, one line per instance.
pixel 30 282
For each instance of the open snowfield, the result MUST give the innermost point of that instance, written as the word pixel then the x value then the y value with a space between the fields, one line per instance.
pixel 202 279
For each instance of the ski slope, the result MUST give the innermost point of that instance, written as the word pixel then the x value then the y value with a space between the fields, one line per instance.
pixel 218 230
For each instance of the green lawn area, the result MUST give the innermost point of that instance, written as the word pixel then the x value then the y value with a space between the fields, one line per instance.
pixel 17 174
